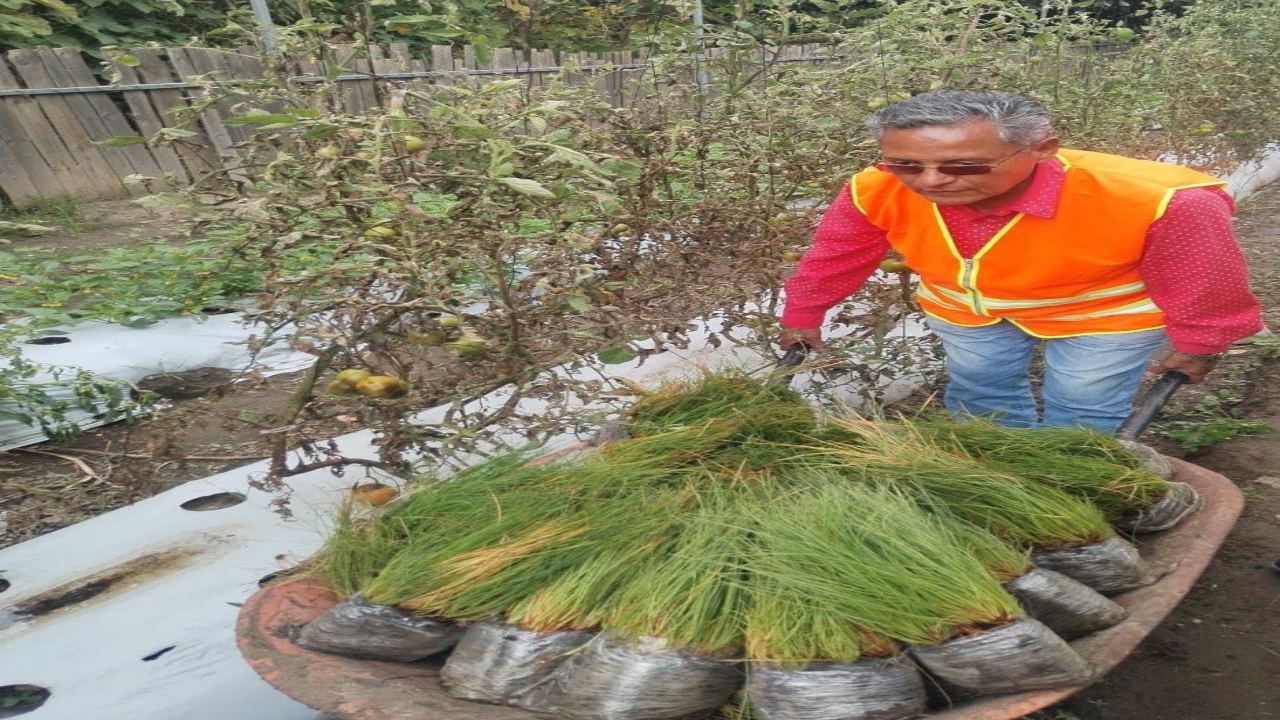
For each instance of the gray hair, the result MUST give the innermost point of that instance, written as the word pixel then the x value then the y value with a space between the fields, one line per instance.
pixel 1019 119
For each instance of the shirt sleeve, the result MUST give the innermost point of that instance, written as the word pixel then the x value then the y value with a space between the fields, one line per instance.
pixel 1195 273
pixel 846 249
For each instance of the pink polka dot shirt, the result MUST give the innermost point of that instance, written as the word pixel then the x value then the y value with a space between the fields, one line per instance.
pixel 1192 267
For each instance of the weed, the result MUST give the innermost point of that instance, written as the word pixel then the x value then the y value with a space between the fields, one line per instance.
pixel 1196 435
pixel 63 211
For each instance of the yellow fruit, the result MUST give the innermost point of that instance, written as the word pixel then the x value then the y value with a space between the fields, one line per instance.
pixel 413 144
pixel 381 231
pixel 373 493
pixel 366 155
pixel 448 321
pixel 430 339
pixel 875 104
pixel 329 151
pixel 791 256
pixel 893 265
pixel 351 376
pixel 341 388
pixel 379 386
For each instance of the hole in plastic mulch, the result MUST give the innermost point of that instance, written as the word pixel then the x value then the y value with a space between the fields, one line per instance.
pixel 217 501
pixel 49 340
pixel 5 585
pixel 217 310
pixel 18 700
pixel 158 653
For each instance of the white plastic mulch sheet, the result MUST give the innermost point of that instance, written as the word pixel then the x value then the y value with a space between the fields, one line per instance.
pixel 131 354
pixel 157 640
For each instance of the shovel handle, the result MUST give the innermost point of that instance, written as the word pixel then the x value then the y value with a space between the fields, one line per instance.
pixel 794 356
pixel 1149 404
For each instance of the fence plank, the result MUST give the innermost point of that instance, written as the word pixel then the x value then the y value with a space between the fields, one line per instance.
pixel 49 71
pixel 358 95
pixel 230 65
pixel 21 164
pixel 25 131
pixel 111 120
pixel 195 153
pixel 469 59
pixel 543 59
pixel 148 121
pixel 100 180
pixel 190 65
pixel 442 60
pixel 503 59
pixel 313 66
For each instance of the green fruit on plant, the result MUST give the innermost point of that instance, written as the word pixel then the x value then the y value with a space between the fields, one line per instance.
pixel 448 321
pixel 791 256
pixel 413 144
pixel 468 347
pixel 430 339
pixel 366 155
pixel 351 376
pixel 894 265
pixel 329 151
pixel 380 386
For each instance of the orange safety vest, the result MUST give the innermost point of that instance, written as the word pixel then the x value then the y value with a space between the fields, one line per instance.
pixel 1073 274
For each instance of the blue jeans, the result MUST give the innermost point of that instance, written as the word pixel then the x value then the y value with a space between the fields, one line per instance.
pixel 1089 380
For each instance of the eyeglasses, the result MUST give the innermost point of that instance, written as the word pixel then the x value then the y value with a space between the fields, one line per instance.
pixel 946 169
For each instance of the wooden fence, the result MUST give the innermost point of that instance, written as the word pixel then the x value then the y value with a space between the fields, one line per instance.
pixel 55 113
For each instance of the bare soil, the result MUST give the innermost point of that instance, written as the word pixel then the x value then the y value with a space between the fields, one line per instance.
pixel 1216 657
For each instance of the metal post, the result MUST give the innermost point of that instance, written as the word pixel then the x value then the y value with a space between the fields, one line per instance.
pixel 265 25
pixel 700 55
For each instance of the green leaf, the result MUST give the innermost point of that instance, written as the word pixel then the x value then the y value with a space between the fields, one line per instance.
pixel 628 169
pixel 260 119
pixel 525 186
pixel 16 417
pixel 469 128
pixel 124 141
pixel 616 355
pixel 127 60
pixel 572 157
pixel 579 303
pixel 23 229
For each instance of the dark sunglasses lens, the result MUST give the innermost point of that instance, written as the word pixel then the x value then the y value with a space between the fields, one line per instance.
pixel 900 169
pixel 944 169
pixel 964 169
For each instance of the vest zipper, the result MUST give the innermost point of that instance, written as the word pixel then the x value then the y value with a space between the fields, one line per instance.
pixel 966 282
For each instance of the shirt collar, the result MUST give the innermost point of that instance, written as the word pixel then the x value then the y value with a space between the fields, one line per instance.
pixel 1041 197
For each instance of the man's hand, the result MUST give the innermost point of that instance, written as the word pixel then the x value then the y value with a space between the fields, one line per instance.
pixel 1195 367
pixel 808 336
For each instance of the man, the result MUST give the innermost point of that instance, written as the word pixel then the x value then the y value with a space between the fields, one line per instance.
pixel 1100 258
